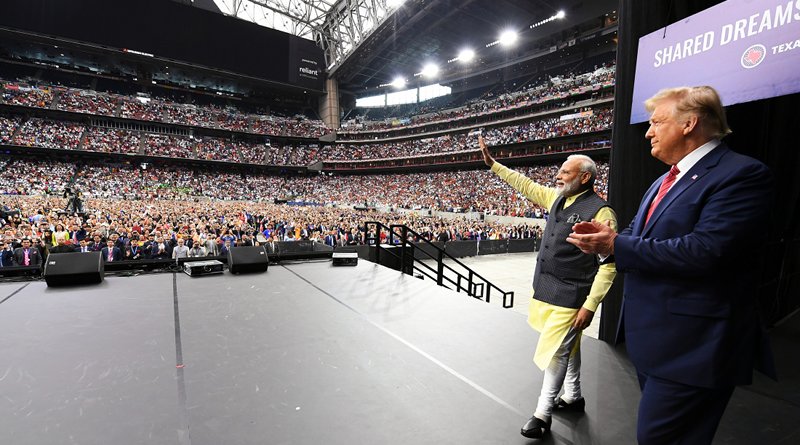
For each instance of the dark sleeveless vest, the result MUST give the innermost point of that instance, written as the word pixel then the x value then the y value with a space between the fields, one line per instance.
pixel 564 274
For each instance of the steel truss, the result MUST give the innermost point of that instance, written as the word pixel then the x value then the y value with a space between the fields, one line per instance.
pixel 337 26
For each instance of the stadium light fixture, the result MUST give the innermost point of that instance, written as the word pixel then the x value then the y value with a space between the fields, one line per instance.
pixel 558 16
pixel 398 82
pixel 466 55
pixel 508 38
pixel 430 70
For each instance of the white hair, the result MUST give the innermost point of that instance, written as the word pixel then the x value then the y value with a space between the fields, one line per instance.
pixel 587 165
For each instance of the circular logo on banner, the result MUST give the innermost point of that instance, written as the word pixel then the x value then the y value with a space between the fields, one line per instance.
pixel 753 56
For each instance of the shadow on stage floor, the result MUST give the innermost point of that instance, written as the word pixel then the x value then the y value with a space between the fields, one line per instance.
pixel 311 354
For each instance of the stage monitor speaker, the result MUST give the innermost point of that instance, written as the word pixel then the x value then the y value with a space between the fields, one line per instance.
pixel 66 269
pixel 248 259
pixel 345 256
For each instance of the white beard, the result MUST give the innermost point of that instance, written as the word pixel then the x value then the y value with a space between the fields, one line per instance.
pixel 570 188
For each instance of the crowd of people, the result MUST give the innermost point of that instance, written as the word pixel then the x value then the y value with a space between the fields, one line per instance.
pixel 152 211
pixel 593 120
pixel 7 128
pixel 141 230
pixel 292 154
pixel 140 108
pixel 156 109
pixel 90 102
pixel 109 140
pixel 250 153
pixel 33 176
pixel 216 149
pixel 139 206
pixel 539 92
pixel 47 133
pixel 36 132
pixel 453 191
pixel 26 95
pixel 170 146
pixel 229 118
pixel 288 126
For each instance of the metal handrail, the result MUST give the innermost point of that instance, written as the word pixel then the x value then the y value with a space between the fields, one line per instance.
pixel 472 283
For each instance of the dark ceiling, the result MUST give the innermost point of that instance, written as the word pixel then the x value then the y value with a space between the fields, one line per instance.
pixel 436 30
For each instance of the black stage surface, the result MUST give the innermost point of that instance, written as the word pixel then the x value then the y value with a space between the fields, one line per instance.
pixel 310 354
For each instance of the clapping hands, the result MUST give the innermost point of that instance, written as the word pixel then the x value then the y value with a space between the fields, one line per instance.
pixel 593 237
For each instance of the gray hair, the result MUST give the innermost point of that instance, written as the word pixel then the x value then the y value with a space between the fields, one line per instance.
pixel 587 165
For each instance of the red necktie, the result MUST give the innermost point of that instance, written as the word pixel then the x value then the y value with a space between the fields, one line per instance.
pixel 665 186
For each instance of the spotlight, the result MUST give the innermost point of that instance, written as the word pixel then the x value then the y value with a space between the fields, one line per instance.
pixel 430 70
pixel 398 82
pixel 466 55
pixel 558 15
pixel 507 38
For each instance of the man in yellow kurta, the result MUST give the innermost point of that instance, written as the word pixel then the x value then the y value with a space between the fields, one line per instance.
pixel 568 285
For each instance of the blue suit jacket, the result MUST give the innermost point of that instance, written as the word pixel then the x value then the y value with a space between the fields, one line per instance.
pixel 6 258
pixel 689 310
pixel 116 254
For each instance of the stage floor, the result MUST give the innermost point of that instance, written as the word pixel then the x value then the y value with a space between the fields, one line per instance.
pixel 304 354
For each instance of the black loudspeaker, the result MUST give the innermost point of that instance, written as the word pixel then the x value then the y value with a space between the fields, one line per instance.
pixel 66 269
pixel 345 256
pixel 248 259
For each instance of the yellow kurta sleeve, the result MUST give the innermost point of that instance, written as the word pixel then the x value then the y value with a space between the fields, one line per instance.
pixel 537 194
pixel 607 272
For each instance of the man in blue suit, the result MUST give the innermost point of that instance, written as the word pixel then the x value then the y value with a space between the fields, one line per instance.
pixel 689 313
pixel 111 252
pixel 6 254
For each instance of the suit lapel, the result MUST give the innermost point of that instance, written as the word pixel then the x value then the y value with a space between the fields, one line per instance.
pixel 700 169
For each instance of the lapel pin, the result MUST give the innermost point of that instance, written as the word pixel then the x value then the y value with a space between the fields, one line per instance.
pixel 694 177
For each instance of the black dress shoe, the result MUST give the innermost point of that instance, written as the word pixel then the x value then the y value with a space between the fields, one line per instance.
pixel 535 428
pixel 577 406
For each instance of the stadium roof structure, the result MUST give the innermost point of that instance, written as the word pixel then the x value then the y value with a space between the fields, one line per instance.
pixel 338 26
pixel 368 43
pixel 298 17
